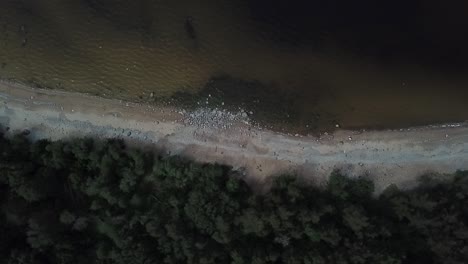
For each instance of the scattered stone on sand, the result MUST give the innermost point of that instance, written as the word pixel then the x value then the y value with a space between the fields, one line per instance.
pixel 388 152
pixel 213 118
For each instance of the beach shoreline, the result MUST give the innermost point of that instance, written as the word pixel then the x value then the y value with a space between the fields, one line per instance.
pixel 397 156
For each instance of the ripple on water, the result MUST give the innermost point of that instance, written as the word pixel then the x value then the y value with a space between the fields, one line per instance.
pixel 132 49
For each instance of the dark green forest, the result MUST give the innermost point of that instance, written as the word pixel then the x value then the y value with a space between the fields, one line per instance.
pixel 89 201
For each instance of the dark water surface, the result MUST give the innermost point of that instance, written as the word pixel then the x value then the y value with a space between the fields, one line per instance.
pixel 356 63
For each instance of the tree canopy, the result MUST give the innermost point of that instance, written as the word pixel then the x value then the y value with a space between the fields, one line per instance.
pixel 87 201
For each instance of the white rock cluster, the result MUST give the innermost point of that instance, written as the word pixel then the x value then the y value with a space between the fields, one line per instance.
pixel 214 118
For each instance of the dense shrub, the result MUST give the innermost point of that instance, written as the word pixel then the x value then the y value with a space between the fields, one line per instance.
pixel 84 201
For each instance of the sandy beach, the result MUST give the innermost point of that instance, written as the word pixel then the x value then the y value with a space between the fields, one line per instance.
pixel 215 135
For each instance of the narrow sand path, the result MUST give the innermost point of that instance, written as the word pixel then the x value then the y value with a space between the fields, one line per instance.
pixel 392 156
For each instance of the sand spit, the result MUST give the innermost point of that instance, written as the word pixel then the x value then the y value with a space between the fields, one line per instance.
pixel 216 135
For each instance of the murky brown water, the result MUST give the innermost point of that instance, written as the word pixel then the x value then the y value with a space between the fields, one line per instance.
pixel 129 49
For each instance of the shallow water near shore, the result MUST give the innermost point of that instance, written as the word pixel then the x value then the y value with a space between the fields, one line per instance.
pixel 313 65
